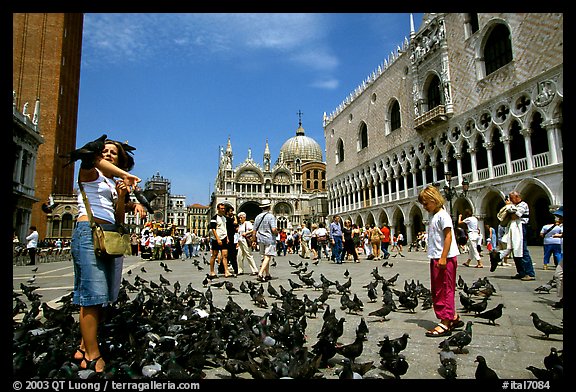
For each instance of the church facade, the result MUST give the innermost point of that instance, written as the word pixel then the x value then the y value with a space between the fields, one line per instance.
pixel 295 183
pixel 471 103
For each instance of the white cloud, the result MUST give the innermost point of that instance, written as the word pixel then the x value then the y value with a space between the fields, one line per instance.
pixel 327 84
pixel 137 37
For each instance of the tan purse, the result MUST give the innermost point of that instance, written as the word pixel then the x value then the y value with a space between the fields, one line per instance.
pixel 110 240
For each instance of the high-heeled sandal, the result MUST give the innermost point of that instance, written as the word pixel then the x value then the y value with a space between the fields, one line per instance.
pixel 91 364
pixel 82 353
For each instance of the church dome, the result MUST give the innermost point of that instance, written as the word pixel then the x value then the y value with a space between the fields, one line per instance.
pixel 301 146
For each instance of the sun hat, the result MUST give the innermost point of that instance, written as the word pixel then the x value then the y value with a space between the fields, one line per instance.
pixel 265 203
pixel 559 211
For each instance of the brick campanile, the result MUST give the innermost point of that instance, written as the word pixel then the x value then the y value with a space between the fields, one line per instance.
pixel 47 50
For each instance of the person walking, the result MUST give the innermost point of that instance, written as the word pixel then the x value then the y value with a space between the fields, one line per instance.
pixel 194 247
pixel 349 246
pixel 314 243
pixel 306 236
pixel 443 254
pixel 186 243
pixel 491 238
pixel 517 213
pixel 375 240
pixel 97 278
pixel 231 234
pixel 385 243
pixel 32 244
pixel 244 249
pixel 559 272
pixel 219 240
pixel 472 231
pixel 266 231
pixel 336 239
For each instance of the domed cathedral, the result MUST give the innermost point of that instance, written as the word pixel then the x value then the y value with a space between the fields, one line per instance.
pixel 296 183
pixel 471 103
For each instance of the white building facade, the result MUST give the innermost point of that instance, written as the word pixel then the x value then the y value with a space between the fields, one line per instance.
pixel 476 95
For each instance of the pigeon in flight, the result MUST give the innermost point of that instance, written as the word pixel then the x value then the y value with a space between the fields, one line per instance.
pixel 145 197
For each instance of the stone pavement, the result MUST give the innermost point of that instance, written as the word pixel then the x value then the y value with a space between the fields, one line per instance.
pixel 509 347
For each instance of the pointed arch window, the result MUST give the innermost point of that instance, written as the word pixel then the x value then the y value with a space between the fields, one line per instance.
pixel 498 49
pixel 339 151
pixel 395 122
pixel 363 136
pixel 433 94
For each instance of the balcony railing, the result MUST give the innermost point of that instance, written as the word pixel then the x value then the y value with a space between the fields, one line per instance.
pixel 431 117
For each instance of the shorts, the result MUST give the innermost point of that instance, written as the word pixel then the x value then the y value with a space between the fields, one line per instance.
pixel 215 246
pixel 96 280
pixel 268 249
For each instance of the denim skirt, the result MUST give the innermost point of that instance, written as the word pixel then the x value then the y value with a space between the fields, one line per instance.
pixel 96 280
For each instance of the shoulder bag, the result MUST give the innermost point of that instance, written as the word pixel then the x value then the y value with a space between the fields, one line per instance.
pixel 110 240
pixel 253 237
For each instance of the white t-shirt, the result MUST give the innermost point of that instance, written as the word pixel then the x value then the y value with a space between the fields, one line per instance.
pixel 472 225
pixel 438 222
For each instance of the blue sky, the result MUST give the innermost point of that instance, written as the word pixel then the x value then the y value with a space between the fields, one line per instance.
pixel 176 86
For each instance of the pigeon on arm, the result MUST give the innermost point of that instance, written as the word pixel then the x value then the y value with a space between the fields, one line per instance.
pixel 87 153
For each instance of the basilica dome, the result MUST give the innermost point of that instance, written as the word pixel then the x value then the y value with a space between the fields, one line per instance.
pixel 301 146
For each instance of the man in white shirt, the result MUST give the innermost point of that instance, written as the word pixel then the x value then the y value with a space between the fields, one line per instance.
pixel 32 244
pixel 473 237
pixel 305 242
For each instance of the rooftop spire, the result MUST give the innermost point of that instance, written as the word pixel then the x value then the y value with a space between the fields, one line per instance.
pixel 300 130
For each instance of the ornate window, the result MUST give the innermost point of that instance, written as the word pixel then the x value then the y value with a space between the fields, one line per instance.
pixel 395 121
pixel 498 49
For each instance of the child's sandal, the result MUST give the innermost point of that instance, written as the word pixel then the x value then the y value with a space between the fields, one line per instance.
pixel 439 331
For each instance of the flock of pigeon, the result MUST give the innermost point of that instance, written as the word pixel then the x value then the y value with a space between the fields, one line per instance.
pixel 158 329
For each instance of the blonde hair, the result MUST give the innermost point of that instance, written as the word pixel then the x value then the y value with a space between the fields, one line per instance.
pixel 431 193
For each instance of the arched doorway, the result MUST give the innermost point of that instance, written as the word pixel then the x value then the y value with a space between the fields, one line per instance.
pixel 251 208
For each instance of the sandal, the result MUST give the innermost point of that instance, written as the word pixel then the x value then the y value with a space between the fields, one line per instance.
pixel 467 264
pixel 439 331
pixel 82 353
pixel 91 364
pixel 479 266
pixel 456 323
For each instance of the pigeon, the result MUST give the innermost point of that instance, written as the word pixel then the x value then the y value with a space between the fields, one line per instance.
pixel 545 288
pixel 553 359
pixel 347 373
pixel 460 282
pixel 478 307
pixel 362 329
pixel 400 343
pixel 230 287
pixel 87 150
pixel 492 314
pixel 352 350
pixel 543 374
pixel 483 372
pixel 146 196
pixel 460 339
pixel 449 365
pixel 382 312
pixel 546 328
pixel 397 365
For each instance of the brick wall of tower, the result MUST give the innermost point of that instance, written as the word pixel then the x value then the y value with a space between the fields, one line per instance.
pixel 47 51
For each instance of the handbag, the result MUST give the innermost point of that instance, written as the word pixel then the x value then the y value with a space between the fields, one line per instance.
pixel 110 240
